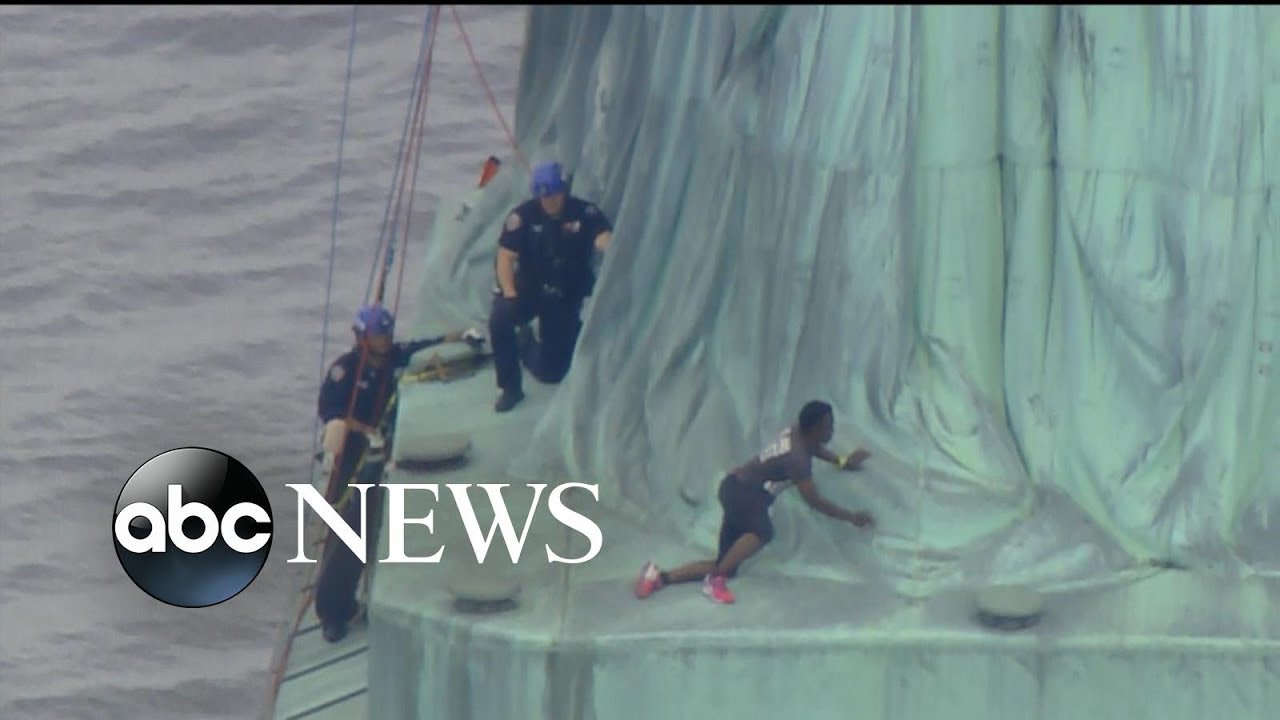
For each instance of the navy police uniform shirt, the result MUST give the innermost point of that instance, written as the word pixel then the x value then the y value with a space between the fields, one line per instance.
pixel 555 253
pixel 374 386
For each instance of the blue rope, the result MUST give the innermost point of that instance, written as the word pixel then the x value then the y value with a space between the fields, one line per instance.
pixel 333 232
pixel 408 116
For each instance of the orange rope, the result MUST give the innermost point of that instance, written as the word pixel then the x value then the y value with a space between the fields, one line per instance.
pixel 492 99
pixel 413 150
pixel 417 156
pixel 282 660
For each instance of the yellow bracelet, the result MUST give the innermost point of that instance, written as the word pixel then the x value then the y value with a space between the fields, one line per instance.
pixel 841 460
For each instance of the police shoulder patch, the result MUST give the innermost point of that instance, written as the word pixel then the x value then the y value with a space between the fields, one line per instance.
pixel 337 373
pixel 513 222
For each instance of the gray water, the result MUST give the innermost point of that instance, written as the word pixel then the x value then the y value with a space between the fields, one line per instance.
pixel 166 189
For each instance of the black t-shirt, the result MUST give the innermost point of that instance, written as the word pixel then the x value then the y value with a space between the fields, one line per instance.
pixel 779 466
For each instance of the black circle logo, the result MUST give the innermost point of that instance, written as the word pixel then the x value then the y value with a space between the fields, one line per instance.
pixel 192 527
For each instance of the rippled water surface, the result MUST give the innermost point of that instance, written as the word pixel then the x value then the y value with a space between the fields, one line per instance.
pixel 168 179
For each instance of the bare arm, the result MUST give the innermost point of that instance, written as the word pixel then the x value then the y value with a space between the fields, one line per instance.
pixel 822 453
pixel 507 272
pixel 809 491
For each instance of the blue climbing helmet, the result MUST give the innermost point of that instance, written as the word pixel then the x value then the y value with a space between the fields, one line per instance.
pixel 374 320
pixel 547 179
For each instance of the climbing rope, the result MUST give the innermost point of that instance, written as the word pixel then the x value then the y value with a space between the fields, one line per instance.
pixel 333 229
pixel 282 656
pixel 386 217
pixel 387 239
pixel 403 184
pixel 403 181
pixel 416 141
pixel 493 101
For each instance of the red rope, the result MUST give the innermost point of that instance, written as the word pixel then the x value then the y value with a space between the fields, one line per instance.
pixel 415 123
pixel 282 661
pixel 417 156
pixel 405 183
pixel 488 91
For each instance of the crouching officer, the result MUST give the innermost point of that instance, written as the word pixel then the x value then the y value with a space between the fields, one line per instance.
pixel 369 372
pixel 544 268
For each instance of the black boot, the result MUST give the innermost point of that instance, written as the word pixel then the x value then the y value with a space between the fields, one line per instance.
pixel 335 632
pixel 508 400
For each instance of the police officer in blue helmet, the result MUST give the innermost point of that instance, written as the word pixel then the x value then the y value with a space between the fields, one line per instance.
pixel 545 271
pixel 353 405
pixel 379 361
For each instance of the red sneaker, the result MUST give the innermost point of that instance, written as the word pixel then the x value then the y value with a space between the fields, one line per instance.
pixel 714 587
pixel 649 581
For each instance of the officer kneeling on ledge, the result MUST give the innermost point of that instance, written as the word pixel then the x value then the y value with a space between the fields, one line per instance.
pixel 544 268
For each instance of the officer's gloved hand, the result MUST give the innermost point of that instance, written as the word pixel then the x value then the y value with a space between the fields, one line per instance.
pixel 375 441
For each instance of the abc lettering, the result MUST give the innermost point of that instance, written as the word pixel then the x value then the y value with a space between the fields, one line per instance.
pixel 179 513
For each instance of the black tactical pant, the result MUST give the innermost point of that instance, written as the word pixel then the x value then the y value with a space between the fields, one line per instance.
pixel 549 357
pixel 340 569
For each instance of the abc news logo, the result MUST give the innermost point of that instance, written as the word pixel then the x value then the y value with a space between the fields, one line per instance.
pixel 192 526
pixel 211 509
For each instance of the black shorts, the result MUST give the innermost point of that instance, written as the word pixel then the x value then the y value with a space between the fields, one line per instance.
pixel 746 510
